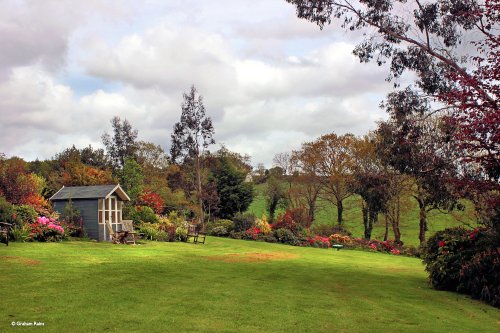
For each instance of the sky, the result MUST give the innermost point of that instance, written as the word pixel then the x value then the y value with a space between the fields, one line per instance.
pixel 269 80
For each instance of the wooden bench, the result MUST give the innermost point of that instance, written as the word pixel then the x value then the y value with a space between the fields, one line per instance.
pixel 5 232
pixel 196 234
pixel 128 227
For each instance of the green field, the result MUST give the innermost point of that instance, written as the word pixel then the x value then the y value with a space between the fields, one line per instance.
pixel 225 285
pixel 327 214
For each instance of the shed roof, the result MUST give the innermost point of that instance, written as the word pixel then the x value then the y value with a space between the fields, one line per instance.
pixel 90 192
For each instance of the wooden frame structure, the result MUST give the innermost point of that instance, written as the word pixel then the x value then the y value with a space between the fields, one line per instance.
pixel 195 234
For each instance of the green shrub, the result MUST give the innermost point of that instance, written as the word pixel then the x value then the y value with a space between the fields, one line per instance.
pixel 220 227
pixel 143 214
pixel 243 222
pixel 285 236
pixel 236 234
pixel 326 230
pixel 25 213
pixel 20 233
pixel 219 231
pixel 181 233
pixel 480 277
pixel 152 232
pixel 7 212
pixel 269 238
pixel 176 218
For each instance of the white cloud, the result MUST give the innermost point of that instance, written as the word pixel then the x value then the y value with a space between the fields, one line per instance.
pixel 270 81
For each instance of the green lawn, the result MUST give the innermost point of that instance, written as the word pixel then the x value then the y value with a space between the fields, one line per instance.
pixel 225 285
pixel 327 214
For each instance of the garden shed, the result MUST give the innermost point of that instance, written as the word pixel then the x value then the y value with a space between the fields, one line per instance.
pixel 96 204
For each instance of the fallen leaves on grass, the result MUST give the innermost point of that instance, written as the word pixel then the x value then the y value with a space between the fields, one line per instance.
pixel 21 260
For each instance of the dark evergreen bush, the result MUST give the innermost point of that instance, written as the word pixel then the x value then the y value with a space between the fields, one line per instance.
pixel 243 222
pixel 480 277
pixel 467 261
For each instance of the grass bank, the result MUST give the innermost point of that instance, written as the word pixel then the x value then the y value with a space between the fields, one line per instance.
pixel 225 285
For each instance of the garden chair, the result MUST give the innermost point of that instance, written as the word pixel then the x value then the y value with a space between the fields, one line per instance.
pixel 128 226
pixel 195 232
pixel 5 232
pixel 116 237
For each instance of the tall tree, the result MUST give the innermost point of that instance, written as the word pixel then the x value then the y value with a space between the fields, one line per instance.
pixel 191 136
pixel 306 178
pixel 415 143
pixel 123 143
pixel 234 193
pixel 336 167
pixel 132 179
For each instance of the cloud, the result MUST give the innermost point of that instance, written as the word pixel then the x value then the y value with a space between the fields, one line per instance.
pixel 269 80
pixel 36 32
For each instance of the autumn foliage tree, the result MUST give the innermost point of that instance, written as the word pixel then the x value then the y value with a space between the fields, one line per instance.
pixel 306 177
pixel 336 167
pixel 21 187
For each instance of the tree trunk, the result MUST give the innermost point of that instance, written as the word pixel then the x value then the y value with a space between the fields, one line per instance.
pixel 364 209
pixel 340 210
pixel 423 220
pixel 312 208
pixel 396 219
pixel 198 179
pixel 372 218
pixel 386 234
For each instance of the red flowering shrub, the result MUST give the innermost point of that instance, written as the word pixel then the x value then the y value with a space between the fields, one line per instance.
pixel 299 216
pixel 251 233
pixel 286 221
pixel 152 200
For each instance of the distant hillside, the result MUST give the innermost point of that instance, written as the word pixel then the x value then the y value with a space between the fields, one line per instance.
pixel 353 218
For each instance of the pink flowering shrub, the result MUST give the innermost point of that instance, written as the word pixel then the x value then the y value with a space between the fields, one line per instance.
pixel 46 229
pixel 319 241
pixel 387 246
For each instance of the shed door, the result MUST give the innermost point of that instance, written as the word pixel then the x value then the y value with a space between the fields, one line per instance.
pixel 110 209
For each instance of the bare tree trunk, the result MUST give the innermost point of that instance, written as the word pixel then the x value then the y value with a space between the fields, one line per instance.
pixel 340 210
pixel 395 223
pixel 312 208
pixel 200 200
pixel 386 234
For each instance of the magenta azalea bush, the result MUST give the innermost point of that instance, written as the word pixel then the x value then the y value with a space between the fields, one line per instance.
pixel 46 229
